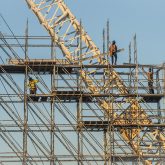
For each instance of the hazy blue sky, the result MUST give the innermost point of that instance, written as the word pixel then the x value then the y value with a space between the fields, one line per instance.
pixel 127 17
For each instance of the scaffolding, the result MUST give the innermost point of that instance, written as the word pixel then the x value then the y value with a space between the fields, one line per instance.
pixel 86 111
pixel 63 122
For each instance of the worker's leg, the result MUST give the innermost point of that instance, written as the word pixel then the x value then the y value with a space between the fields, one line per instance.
pixel 150 85
pixel 35 97
pixel 35 90
pixel 115 56
pixel 112 59
pixel 32 91
pixel 152 88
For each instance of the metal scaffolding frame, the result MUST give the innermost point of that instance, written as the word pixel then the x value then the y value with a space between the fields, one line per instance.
pixel 68 90
pixel 86 111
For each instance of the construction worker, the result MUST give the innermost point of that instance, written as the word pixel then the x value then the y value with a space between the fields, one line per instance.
pixel 150 81
pixel 113 52
pixel 32 85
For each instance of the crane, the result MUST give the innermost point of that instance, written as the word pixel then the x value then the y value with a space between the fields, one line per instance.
pixel 65 30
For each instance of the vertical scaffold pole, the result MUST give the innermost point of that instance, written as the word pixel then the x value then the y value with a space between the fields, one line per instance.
pixel 107 139
pixel 136 63
pixel 108 41
pixel 129 61
pixel 104 42
pixel 164 81
pixel 79 102
pixel 136 90
pixel 105 143
pixel 109 132
pixel 53 88
pixel 25 132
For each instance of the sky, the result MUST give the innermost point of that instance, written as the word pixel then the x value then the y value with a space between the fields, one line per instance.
pixel 127 17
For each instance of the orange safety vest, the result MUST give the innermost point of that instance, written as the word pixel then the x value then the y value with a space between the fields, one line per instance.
pixel 112 49
pixel 150 76
pixel 32 84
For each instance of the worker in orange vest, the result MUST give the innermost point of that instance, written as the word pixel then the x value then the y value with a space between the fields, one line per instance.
pixel 113 52
pixel 32 85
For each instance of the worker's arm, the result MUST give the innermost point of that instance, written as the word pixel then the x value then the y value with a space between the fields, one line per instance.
pixel 36 81
pixel 116 49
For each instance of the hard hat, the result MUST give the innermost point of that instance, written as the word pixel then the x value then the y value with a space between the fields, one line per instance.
pixel 30 79
pixel 113 42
